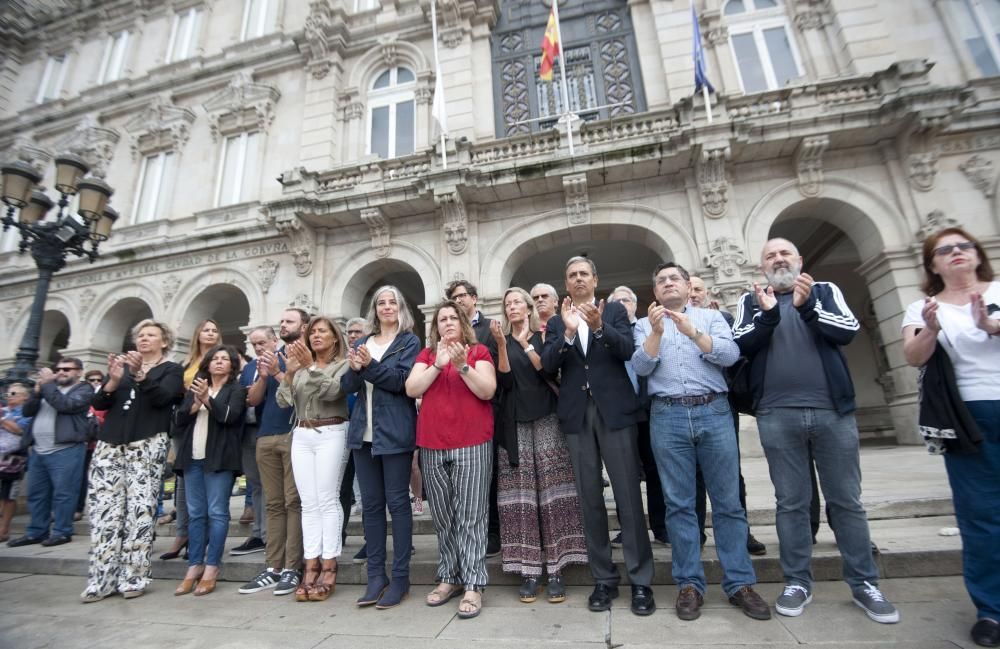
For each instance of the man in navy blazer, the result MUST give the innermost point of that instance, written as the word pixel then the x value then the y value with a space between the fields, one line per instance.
pixel 588 343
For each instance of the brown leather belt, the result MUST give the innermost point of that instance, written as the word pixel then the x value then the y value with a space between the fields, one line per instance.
pixel 699 400
pixel 317 423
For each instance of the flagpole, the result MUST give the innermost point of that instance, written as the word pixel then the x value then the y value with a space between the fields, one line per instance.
pixel 696 45
pixel 562 69
pixel 708 103
pixel 437 71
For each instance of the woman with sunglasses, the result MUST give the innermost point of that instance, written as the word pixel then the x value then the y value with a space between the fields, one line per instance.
pixel 961 315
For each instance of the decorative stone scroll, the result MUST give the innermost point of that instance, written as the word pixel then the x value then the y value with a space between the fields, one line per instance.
pixel 981 174
pixel 92 142
pixel 727 258
pixel 24 149
pixel 304 302
pixel 577 199
pixel 242 106
pixel 456 220
pixel 161 126
pixel 169 287
pixel 809 164
pixel 301 239
pixel 378 228
pixel 712 182
pixel 317 47
pixel 266 272
pixel 934 222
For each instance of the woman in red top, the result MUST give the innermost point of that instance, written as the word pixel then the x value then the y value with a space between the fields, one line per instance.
pixel 456 380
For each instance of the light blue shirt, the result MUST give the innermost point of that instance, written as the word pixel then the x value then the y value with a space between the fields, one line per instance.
pixel 681 369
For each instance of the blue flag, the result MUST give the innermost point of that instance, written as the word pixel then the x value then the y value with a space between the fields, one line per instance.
pixel 700 76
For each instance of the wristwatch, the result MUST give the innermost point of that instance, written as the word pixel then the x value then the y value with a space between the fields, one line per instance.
pixel 529 348
pixel 697 333
pixel 465 369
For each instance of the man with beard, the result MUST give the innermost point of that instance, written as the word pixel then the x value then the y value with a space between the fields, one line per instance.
pixel 803 396
pixel 589 343
pixel 683 350
pixel 274 462
pixel 58 437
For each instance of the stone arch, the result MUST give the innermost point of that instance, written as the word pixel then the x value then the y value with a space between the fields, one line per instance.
pixel 611 221
pixel 865 217
pixel 112 323
pixel 353 276
pixel 224 302
pixel 55 336
pixel 107 301
pixel 373 62
pixel 194 287
pixel 54 304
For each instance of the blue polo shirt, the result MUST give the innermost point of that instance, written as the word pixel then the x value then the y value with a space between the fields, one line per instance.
pixel 271 418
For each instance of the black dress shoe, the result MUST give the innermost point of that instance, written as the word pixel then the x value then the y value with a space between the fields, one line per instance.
pixel 24 540
pixel 493 545
pixel 642 600
pixel 986 633
pixel 56 540
pixel 600 599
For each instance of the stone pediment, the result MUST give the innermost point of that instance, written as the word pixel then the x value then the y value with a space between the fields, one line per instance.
pixel 241 106
pixel 92 142
pixel 161 126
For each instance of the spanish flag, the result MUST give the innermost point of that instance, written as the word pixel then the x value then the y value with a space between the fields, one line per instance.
pixel 550 46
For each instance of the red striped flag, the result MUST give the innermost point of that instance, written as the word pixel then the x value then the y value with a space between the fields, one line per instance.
pixel 550 47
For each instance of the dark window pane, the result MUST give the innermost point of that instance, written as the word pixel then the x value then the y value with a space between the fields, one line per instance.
pixel 780 51
pixel 380 131
pixel 751 70
pixel 382 81
pixel 404 128
pixel 403 76
pixel 734 7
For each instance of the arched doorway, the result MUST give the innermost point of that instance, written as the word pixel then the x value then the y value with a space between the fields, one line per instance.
pixel 224 303
pixel 54 337
pixel 401 276
pixel 113 333
pixel 829 254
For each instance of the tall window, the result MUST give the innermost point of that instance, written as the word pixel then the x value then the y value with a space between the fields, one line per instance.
pixel 365 5
pixel 765 54
pixel 602 65
pixel 979 27
pixel 237 169
pixel 113 59
pixel 52 79
pixel 183 35
pixel 391 114
pixel 259 18
pixel 156 182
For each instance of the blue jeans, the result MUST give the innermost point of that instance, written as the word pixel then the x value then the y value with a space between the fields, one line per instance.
pixel 786 435
pixel 208 495
pixel 975 489
pixel 53 488
pixel 684 437
pixel 385 481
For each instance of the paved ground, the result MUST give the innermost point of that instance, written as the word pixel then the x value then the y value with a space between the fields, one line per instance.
pixel 41 611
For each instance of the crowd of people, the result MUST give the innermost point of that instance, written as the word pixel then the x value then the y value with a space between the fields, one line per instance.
pixel 508 427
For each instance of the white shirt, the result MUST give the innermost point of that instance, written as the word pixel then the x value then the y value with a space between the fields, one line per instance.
pixel 582 332
pixel 974 354
pixel 377 351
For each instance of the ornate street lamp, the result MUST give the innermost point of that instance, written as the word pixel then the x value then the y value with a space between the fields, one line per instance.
pixel 51 240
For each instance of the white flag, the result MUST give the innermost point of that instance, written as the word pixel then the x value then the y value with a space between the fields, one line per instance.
pixel 438 110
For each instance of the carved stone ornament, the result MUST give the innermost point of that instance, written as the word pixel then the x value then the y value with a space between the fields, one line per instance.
pixel 378 228
pixel 452 37
pixel 711 173
pixel 301 240
pixel 810 19
pixel 388 50
pixel 25 150
pixel 92 142
pixel 456 221
pixel 981 174
pixel 935 222
pixel 922 169
pixel 716 35
pixel 577 199
pixel 317 44
pixel 354 110
pixel 729 294
pixel 726 257
pixel 86 300
pixel 304 302
pixel 170 285
pixel 161 126
pixel 809 164
pixel 266 271
pixel 10 314
pixel 242 106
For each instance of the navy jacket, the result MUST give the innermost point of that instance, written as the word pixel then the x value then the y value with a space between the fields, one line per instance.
pixel 602 369
pixel 71 408
pixel 394 429
pixel 832 324
pixel 223 448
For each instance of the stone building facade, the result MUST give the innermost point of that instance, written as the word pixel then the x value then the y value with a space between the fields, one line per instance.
pixel 276 152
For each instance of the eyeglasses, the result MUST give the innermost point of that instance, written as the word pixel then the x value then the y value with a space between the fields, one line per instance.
pixel 459 296
pixel 95 380
pixel 624 299
pixel 945 250
pixel 66 369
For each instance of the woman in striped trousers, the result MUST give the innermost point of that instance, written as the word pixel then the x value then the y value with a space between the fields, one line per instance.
pixel 456 379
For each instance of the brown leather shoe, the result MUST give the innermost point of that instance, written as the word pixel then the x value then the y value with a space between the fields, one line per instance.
pixel 752 604
pixel 247 516
pixel 689 603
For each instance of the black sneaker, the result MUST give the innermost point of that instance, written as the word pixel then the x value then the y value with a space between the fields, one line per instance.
pixel 755 547
pixel 362 555
pixel 251 545
pixel 267 579
pixel 288 583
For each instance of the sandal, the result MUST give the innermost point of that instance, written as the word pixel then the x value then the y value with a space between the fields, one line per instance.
pixel 323 589
pixel 475 602
pixel 309 577
pixel 438 597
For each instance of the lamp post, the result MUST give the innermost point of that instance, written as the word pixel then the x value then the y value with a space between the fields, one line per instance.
pixel 51 240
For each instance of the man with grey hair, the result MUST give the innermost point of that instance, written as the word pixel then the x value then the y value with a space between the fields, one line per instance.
pixel 803 396
pixel 546 299
pixel 589 342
